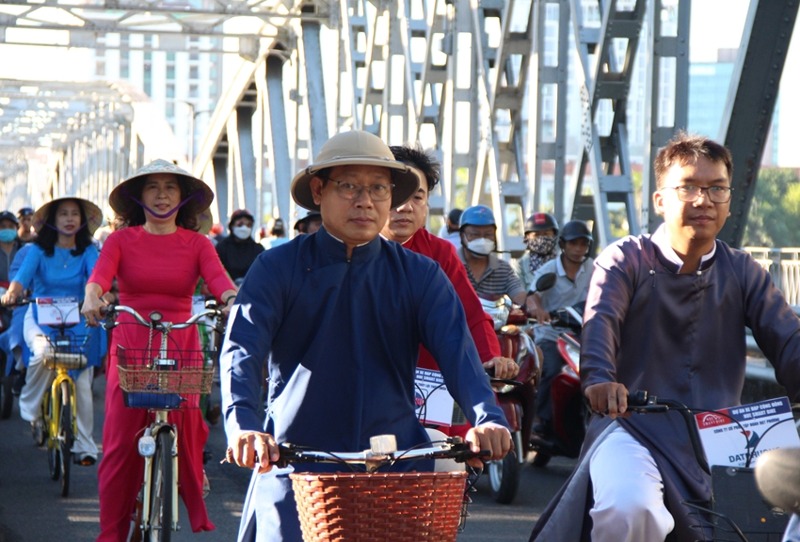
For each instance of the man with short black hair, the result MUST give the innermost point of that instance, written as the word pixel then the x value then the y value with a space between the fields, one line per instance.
pixel 406 226
pixel 666 313
pixel 450 228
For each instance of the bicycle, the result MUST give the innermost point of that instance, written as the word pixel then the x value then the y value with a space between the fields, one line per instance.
pixel 402 506
pixel 735 507
pixel 159 379
pixel 59 409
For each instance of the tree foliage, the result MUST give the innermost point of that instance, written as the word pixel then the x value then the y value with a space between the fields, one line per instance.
pixel 775 211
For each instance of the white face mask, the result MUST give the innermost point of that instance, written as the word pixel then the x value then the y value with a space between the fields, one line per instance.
pixel 242 232
pixel 481 246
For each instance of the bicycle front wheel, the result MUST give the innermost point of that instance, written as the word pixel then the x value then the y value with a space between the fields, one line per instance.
pixel 160 528
pixel 66 437
pixel 49 412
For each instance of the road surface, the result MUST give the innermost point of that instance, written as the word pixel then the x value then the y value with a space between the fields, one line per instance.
pixel 32 510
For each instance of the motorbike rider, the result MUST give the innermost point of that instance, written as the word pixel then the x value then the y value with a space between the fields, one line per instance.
pixel 573 269
pixel 490 276
pixel 541 231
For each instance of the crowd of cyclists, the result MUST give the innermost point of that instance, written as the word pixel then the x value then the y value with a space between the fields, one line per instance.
pixel 337 316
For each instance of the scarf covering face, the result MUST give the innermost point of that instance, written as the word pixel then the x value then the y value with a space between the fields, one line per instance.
pixel 542 249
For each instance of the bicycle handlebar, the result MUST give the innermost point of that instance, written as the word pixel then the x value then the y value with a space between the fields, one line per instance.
pixel 155 317
pixel 374 458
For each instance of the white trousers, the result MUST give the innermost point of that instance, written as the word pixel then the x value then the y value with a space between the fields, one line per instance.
pixel 792 533
pixel 628 492
pixel 37 382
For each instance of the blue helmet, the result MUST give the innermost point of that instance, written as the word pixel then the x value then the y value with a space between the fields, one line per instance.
pixel 477 215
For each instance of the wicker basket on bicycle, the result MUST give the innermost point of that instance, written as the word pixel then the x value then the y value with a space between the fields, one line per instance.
pixel 154 382
pixel 65 351
pixel 391 507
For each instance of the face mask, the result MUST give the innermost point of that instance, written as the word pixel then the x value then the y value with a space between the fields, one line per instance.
pixel 242 232
pixel 481 246
pixel 6 236
pixel 541 245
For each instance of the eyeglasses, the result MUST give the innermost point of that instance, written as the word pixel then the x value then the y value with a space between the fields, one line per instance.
pixel 350 191
pixel 690 192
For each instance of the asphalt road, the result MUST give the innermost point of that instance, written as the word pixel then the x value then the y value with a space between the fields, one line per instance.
pixel 32 510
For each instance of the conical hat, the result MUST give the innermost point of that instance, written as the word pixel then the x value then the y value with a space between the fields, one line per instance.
pixel 94 216
pixel 202 196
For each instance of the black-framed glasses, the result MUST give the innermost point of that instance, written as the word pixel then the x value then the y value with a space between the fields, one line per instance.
pixel 351 191
pixel 690 192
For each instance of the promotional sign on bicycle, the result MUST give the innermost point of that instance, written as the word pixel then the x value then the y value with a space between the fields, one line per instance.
pixel 736 436
pixel 57 311
pixel 434 403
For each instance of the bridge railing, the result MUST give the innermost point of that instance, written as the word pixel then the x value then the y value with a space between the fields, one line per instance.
pixel 784 266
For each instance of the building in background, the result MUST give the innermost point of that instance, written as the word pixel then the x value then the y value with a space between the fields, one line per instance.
pixel 185 85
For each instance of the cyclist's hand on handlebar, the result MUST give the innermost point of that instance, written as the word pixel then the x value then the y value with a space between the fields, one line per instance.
pixel 12 294
pixel 539 314
pixel 503 368
pixel 91 309
pixel 253 449
pixel 608 398
pixel 490 437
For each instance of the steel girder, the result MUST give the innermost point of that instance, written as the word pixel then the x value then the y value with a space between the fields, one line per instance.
pixel 439 73
pixel 751 102
pixel 454 75
pixel 606 57
pixel 664 49
pixel 547 147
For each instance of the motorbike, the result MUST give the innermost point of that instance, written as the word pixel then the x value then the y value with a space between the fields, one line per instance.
pixel 515 397
pixel 570 415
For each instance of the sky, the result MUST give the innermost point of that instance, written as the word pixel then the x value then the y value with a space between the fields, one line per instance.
pixel 715 24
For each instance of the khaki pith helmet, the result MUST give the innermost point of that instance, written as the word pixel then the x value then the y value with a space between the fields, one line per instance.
pixel 356 148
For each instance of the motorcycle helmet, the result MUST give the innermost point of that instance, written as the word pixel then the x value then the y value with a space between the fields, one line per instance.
pixel 477 215
pixel 576 229
pixel 541 222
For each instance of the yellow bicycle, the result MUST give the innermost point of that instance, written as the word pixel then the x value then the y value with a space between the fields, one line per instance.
pixel 59 410
pixel 59 406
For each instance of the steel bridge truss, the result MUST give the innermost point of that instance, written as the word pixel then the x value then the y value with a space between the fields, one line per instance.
pixel 485 84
